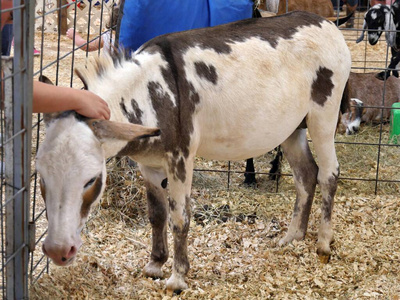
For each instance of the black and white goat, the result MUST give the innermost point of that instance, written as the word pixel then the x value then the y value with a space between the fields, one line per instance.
pixel 378 19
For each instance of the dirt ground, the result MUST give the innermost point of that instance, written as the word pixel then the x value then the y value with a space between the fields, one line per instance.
pixel 234 232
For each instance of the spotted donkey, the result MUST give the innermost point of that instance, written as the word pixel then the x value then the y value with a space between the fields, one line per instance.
pixel 199 88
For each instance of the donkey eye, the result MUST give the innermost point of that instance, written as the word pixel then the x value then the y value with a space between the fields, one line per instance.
pixel 90 182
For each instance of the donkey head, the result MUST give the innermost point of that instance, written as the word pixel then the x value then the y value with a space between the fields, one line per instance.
pixel 71 164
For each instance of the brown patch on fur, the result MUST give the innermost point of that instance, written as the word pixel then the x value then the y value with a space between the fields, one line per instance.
pixel 90 195
pixel 322 86
pixel 327 203
pixel 43 192
pixel 136 116
pixel 207 72
pixel 172 204
pixel 158 214
pixel 181 262
pixel 43 189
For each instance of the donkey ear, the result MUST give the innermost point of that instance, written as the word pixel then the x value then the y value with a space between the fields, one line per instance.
pixel 106 130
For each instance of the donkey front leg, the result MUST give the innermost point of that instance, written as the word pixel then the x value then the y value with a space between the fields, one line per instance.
pixel 305 170
pixel 158 216
pixel 179 203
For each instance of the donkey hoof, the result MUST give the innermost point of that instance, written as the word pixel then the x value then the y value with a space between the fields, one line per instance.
pixel 250 180
pixel 153 270
pixel 324 256
pixel 176 284
pixel 298 236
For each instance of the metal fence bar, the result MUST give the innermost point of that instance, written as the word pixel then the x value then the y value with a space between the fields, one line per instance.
pixel 8 149
pixel 17 152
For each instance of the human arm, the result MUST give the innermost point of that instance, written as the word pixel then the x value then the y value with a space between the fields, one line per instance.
pixel 50 98
pixel 94 45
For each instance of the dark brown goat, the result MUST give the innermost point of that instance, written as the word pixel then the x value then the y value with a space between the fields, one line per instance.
pixel 375 94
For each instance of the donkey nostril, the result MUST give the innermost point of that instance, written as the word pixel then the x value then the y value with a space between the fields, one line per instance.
pixel 72 252
pixel 63 259
pixel 44 250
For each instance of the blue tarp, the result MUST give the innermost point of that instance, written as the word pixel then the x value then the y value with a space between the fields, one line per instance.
pixel 144 19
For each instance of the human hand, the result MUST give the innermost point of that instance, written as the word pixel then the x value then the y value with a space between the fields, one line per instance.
pixel 92 106
pixel 70 33
pixel 48 98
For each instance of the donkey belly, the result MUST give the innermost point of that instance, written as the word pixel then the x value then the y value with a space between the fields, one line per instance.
pixel 243 136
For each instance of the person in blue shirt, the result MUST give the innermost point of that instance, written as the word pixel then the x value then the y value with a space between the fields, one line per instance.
pixel 143 20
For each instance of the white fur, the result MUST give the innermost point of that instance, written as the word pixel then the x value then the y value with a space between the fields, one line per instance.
pixel 273 80
pixel 68 144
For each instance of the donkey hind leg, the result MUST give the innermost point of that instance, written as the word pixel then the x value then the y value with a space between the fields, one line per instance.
pixel 180 187
pixel 322 131
pixel 158 216
pixel 305 171
pixel 249 175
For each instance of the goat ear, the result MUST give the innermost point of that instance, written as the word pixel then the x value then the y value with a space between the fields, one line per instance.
pixel 109 130
pixel 362 32
pixel 391 29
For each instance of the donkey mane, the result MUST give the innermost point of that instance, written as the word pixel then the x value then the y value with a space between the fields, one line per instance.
pixel 98 66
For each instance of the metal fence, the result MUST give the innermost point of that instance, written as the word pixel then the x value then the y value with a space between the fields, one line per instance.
pixel 42 27
pixel 16 130
pixel 21 131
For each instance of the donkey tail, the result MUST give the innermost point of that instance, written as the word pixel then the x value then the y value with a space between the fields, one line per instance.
pixel 345 104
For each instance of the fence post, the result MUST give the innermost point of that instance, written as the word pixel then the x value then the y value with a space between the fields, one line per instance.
pixel 63 15
pixel 18 74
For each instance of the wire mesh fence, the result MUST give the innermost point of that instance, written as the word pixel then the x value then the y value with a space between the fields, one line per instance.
pixel 369 160
pixel 16 125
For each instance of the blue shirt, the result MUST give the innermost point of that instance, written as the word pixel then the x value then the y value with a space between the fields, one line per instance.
pixel 143 19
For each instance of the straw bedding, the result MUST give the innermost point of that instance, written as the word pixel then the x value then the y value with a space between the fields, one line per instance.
pixel 233 234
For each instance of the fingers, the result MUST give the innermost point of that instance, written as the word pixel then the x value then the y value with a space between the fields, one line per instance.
pixel 106 112
pixel 92 106
pixel 70 33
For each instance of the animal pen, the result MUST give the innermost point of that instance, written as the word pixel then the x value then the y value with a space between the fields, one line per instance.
pixel 234 231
